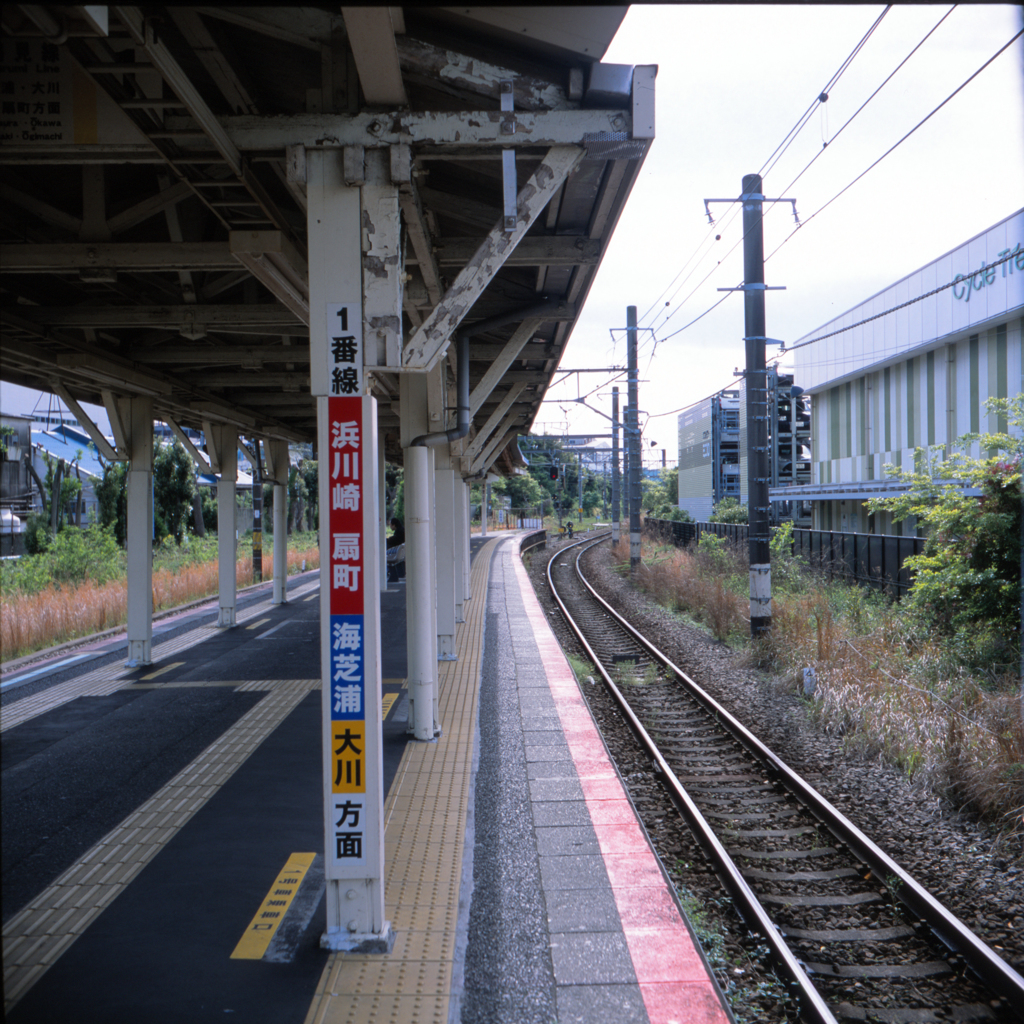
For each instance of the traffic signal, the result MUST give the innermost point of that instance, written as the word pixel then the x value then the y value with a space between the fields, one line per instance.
pixel 553 473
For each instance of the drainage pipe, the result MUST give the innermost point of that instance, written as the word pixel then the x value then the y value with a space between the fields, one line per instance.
pixel 461 429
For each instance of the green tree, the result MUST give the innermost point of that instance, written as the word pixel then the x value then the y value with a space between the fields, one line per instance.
pixel 112 498
pixel 174 486
pixel 522 490
pixel 393 477
pixel 968 579
pixel 729 510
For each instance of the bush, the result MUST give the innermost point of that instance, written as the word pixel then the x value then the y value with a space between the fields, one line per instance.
pixel 37 534
pixel 729 510
pixel 969 575
pixel 71 558
pixel 77 555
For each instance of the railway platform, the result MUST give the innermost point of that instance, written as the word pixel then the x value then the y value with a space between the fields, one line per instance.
pixel 156 819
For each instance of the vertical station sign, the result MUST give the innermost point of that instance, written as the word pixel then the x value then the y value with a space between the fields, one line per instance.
pixel 350 613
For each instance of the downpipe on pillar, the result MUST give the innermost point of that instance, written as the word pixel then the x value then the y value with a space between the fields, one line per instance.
pixel 422 647
pixel 418 539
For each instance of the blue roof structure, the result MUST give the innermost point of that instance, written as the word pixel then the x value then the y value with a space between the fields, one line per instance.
pixel 66 442
pixel 72 445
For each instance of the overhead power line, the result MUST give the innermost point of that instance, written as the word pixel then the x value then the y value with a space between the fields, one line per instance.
pixel 868 100
pixel 772 160
pixel 846 188
pixel 895 145
pixel 821 98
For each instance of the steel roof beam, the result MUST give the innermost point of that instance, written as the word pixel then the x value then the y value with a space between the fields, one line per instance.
pixel 453 130
pixel 274 319
pixel 485 433
pixel 494 373
pixel 23 258
pixel 535 250
pixel 245 356
pixel 429 341
pixel 371 35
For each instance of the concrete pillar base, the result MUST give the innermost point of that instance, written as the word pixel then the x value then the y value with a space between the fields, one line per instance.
pixel 340 940
pixel 226 618
pixel 446 648
pixel 140 652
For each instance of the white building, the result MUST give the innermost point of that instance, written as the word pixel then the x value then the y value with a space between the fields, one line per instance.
pixel 911 367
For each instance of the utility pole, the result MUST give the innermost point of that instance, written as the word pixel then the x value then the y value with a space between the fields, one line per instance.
pixel 579 505
pixel 633 440
pixel 755 379
pixel 616 488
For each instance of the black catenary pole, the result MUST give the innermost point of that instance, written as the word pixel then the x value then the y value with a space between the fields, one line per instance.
pixel 633 441
pixel 615 465
pixel 756 388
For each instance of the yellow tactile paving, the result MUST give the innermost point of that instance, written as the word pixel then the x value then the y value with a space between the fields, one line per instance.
pixel 113 677
pixel 34 938
pixel 425 824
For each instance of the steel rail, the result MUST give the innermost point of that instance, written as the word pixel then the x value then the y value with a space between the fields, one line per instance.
pixel 811 1004
pixel 984 961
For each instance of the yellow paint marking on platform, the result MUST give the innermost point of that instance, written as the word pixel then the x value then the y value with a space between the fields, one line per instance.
pixel 253 944
pixel 311 597
pixel 161 671
pixel 387 702
pixel 256 625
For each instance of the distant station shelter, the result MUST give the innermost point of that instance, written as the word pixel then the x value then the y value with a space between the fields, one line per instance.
pixel 910 367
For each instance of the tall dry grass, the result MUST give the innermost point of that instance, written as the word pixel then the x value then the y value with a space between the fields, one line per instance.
pixel 879 682
pixel 702 587
pixel 35 622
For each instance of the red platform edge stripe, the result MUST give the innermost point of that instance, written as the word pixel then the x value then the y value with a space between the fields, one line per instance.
pixel 674 983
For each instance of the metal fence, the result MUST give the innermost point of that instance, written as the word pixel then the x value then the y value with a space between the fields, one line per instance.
pixel 876 560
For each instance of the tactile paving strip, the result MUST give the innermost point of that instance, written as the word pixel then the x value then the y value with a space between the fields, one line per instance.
pixel 425 824
pixel 113 677
pixel 34 938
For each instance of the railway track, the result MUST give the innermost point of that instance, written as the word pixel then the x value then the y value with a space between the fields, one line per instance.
pixel 853 935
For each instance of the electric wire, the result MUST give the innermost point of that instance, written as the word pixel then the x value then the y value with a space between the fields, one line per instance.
pixel 868 100
pixel 768 165
pixel 822 97
pixel 683 408
pixel 895 145
pixel 863 173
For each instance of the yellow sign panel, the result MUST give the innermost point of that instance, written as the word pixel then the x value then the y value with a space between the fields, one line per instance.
pixel 348 755
pixel 257 540
pixel 254 943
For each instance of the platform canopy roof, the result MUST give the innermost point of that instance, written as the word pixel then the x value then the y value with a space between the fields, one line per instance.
pixel 153 186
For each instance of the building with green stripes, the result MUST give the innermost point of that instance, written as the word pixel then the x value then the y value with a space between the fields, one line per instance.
pixel 908 368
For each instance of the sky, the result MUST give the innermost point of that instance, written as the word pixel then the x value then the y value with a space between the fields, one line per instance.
pixel 732 82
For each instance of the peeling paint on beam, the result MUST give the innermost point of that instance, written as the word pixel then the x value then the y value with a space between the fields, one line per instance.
pixel 429 341
pixel 453 130
pixel 476 76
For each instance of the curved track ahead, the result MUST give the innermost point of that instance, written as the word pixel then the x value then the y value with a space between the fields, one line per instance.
pixel 852 933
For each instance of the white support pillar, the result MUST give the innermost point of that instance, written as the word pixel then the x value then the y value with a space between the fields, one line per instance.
pixel 137 417
pixel 461 548
pixel 382 514
pixel 277 457
pixel 485 506
pixel 226 443
pixel 446 561
pixel 466 551
pixel 420 616
pixel 340 349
